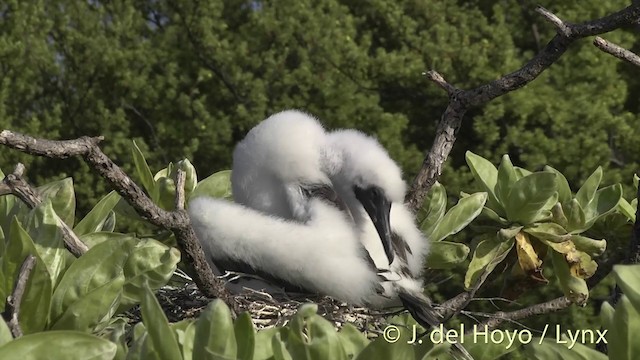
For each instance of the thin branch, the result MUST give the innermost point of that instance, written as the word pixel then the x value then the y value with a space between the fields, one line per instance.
pixel 537 309
pixel 12 306
pixel 176 221
pixel 460 101
pixel 181 178
pixel 16 185
pixel 616 50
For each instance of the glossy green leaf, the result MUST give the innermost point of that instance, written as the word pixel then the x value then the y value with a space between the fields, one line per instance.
pixel 92 239
pixel 564 191
pixel 588 189
pixel 166 193
pixel 353 341
pixel 575 216
pixel 91 308
pixel 433 209
pixel 149 261
pixel 215 337
pixel 574 288
pixel 552 349
pixel 161 336
pixel 43 226
pixel 547 231
pixel 521 172
pixel 446 254
pixel 185 331
pixel 590 246
pixel 245 336
pixel 529 195
pixel 507 177
pixel 63 198
pixel 95 219
pixel 487 255
pixel 324 340
pixel 116 332
pixel 486 174
pixel 218 185
pixel 558 216
pixel 622 337
pixel 627 210
pixel 264 347
pixel 459 216
pixel 280 351
pixel 380 349
pixel 68 345
pixel 142 169
pixel 628 279
pixel 101 264
pixel 37 296
pixel 606 315
pixel 604 201
pixel 5 333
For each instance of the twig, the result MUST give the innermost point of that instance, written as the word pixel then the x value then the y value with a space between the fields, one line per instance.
pixel 461 100
pixel 181 178
pixel 12 306
pixel 537 309
pixel 616 50
pixel 14 184
pixel 176 221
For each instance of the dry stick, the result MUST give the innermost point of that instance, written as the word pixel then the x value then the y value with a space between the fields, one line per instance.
pixel 461 100
pixel 616 50
pixel 176 221
pixel 12 306
pixel 537 309
pixel 181 178
pixel 16 185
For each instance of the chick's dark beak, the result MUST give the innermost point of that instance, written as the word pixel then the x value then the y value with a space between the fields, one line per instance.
pixel 379 208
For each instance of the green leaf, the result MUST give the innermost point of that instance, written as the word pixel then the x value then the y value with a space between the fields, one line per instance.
pixel 484 348
pixel 142 170
pixel 588 189
pixel 353 341
pixel 590 246
pixel 215 337
pixel 68 345
pixel 95 219
pixel 575 216
pixel 217 185
pixel 95 238
pixel 627 210
pixel 98 266
pixel 433 209
pixel 574 288
pixel 116 332
pixel 547 231
pixel 162 338
pixel 63 198
pixel 604 201
pixel 324 342
pixel 43 226
pixel 628 279
pixel 459 216
pixel 445 254
pixel 506 178
pixel 148 262
pixel 245 336
pixel 486 174
pixel 92 308
pixel 564 191
pixel 606 315
pixel 552 349
pixel 5 333
pixel 185 332
pixel 487 255
pixel 264 347
pixel 380 349
pixel 528 197
pixel 37 296
pixel 622 338
pixel 280 351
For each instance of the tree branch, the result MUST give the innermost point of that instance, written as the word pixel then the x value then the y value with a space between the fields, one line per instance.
pixel 16 185
pixel 537 309
pixel 176 221
pixel 616 50
pixel 12 306
pixel 461 100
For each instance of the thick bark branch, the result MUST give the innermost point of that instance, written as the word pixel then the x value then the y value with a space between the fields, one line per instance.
pixel 461 100
pixel 16 185
pixel 176 221
pixel 12 306
pixel 616 50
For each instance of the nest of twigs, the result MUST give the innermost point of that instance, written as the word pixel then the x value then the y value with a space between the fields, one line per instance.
pixel 184 300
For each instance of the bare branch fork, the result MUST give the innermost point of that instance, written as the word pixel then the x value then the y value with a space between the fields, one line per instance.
pixel 12 307
pixel 176 221
pixel 461 100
